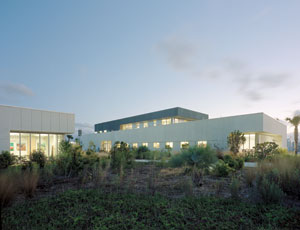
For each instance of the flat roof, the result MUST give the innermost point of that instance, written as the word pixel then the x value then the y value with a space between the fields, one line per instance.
pixel 19 107
pixel 172 112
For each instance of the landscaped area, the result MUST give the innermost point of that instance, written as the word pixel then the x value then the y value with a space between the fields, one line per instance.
pixel 196 188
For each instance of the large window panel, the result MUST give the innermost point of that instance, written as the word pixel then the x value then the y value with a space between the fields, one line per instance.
pixel 45 144
pixel 52 145
pixel 25 144
pixel 14 143
pixel 60 138
pixel 35 142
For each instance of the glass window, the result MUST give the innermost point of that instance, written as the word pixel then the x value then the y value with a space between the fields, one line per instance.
pixel 251 141
pixel 14 143
pixel 45 144
pixel 52 145
pixel 106 146
pixel 156 145
pixel 169 145
pixel 145 144
pixel 35 142
pixel 135 145
pixel 25 144
pixel 184 144
pixel 125 126
pixel 154 122
pixel 202 143
pixel 166 121
pixel 137 125
pixel 145 124
pixel 60 138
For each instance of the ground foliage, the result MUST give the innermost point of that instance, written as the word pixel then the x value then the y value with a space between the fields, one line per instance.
pixel 93 209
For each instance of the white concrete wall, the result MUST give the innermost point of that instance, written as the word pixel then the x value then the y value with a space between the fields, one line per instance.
pixel 32 120
pixel 214 131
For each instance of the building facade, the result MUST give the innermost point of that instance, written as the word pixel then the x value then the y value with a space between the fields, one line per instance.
pixel 177 128
pixel 24 130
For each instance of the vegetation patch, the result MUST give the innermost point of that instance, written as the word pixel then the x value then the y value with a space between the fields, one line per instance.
pixel 93 209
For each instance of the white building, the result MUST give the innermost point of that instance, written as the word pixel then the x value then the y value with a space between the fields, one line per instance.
pixel 178 127
pixel 23 130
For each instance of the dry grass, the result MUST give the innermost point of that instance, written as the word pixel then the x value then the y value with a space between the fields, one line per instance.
pixel 250 175
pixel 7 188
pixel 284 170
pixel 29 181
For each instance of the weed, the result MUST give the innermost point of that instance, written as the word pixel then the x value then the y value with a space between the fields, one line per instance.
pixel 235 188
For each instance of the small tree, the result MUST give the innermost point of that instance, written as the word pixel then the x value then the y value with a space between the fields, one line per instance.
pixel 70 137
pixel 235 140
pixel 266 149
pixel 91 149
pixel 295 121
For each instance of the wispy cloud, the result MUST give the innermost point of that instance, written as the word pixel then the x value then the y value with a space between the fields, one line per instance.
pixel 179 53
pixel 85 127
pixel 262 14
pixel 10 90
pixel 184 56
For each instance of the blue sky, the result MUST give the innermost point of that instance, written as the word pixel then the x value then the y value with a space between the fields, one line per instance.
pixel 104 60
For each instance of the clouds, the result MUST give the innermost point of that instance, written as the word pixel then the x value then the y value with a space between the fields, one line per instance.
pixel 179 53
pixel 13 91
pixel 184 56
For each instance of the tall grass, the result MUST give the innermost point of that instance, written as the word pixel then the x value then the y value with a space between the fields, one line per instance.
pixel 29 181
pixel 279 176
pixel 7 191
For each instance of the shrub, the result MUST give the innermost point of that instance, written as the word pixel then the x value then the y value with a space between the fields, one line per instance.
pixel 91 149
pixel 266 149
pixel 235 163
pixel 6 159
pixel 121 156
pixel 222 169
pixel 142 152
pixel 269 191
pixel 69 161
pixel 38 157
pixel 200 157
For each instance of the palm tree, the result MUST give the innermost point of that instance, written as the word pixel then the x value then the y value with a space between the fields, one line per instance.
pixel 295 121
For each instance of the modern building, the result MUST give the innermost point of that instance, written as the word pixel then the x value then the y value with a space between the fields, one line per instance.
pixel 24 130
pixel 177 128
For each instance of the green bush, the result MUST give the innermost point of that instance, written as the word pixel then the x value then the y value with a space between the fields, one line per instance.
pixel 269 191
pixel 236 163
pixel 200 157
pixel 38 157
pixel 222 169
pixel 121 156
pixel 6 159
pixel 266 150
pixel 142 152
pixel 70 159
